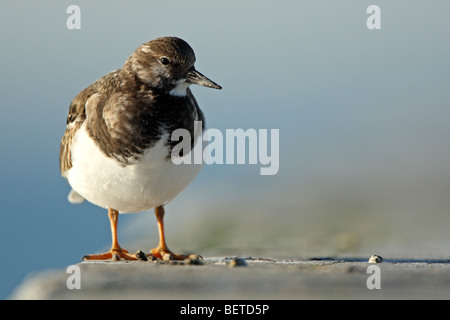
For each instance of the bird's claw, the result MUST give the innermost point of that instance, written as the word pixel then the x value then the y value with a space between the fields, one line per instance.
pixel 113 254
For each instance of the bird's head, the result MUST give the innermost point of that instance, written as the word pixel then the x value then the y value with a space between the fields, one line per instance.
pixel 167 64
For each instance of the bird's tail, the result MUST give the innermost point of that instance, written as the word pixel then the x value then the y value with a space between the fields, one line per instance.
pixel 74 197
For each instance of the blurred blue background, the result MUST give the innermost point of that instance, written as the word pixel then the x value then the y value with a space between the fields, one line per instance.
pixel 363 116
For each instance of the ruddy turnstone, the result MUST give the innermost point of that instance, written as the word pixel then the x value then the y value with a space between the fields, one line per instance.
pixel 116 151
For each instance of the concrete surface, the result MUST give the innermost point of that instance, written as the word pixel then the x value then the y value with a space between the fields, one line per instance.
pixel 250 278
pixel 298 247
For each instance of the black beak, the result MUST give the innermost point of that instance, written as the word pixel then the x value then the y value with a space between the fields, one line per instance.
pixel 196 77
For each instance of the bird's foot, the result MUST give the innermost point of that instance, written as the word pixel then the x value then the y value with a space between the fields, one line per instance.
pixel 114 254
pixel 167 255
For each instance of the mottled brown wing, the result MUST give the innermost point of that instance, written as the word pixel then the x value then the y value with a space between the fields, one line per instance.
pixel 75 119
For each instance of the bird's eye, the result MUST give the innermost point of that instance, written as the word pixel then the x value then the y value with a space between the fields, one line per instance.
pixel 165 61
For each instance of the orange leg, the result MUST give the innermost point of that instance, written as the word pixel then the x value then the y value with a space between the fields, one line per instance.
pixel 116 252
pixel 162 251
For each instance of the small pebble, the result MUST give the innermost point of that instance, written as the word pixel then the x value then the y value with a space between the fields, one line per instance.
pixel 375 259
pixel 237 262
pixel 193 261
pixel 141 256
pixel 115 257
pixel 167 257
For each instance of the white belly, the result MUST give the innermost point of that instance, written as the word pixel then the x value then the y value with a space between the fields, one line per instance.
pixel 149 182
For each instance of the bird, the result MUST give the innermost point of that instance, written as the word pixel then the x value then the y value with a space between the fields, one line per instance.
pixel 116 149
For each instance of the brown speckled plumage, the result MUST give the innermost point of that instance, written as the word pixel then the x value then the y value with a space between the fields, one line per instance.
pixel 127 110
